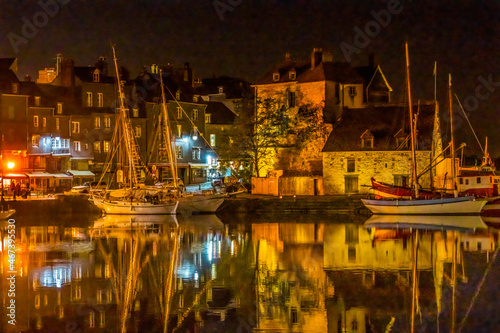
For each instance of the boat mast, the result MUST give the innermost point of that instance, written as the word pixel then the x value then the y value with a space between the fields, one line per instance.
pixel 124 125
pixel 167 134
pixel 453 171
pixel 412 125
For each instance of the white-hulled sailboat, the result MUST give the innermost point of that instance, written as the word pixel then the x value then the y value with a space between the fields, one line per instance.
pixel 133 198
pixel 440 206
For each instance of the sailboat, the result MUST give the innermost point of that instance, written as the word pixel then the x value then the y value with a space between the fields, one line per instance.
pixel 133 198
pixel 440 206
pixel 188 202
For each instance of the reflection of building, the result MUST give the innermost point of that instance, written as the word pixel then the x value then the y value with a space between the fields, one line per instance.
pixel 290 278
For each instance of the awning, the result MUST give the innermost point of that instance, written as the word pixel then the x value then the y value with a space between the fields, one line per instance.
pixel 198 165
pixel 14 175
pixel 61 175
pixel 79 173
pixel 40 175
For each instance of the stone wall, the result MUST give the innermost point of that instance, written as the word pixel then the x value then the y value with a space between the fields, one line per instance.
pixel 381 165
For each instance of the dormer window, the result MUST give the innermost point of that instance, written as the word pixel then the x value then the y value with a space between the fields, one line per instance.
pixel 352 91
pixel 15 88
pixel 195 99
pixel 221 90
pixel 59 108
pixel 292 74
pixel 367 140
pixel 178 95
pixel 37 100
pixel 96 75
pixel 276 77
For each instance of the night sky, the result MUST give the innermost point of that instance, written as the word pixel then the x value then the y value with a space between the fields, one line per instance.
pixel 244 38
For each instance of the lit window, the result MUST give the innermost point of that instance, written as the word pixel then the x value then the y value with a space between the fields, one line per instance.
pixel 97 147
pixel 75 127
pixel 208 118
pixel 76 146
pixel 59 108
pixel 196 154
pixel 89 99
pixel 106 147
pixel 96 75
pixel 37 101
pixel 100 100
pixel 97 122
pixel 137 131
pixel 179 131
pixel 195 114
pixel 44 122
pixel 135 112
pixel 179 112
pixel 86 146
pixel 57 124
pixel 35 140
pixel 107 122
pixel 35 121
pixel 212 140
pixel 178 152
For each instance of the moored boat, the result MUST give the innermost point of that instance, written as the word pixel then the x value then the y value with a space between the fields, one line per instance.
pixel 5 214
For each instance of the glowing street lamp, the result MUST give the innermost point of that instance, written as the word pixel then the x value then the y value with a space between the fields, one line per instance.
pixel 10 165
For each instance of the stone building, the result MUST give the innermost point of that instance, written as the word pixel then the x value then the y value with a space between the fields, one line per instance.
pixel 375 142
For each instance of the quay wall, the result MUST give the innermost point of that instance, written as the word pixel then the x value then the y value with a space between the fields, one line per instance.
pixel 60 204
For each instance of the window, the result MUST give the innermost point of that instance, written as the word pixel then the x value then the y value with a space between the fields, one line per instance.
pixel 97 122
pixel 89 99
pixel 86 146
pixel 96 75
pixel 76 146
pixel 106 146
pixel 37 100
pixel 351 184
pixel 15 88
pixel 178 152
pixel 276 77
pixel 179 131
pixel 400 180
pixel 75 127
pixel 35 121
pixel 461 181
pixel 57 123
pixel 212 140
pixel 208 118
pixel 351 165
pixel 59 108
pixel 292 74
pixel 179 112
pixel 57 143
pixel 294 315
pixel 135 112
pixel 35 140
pixel 100 100
pixel 291 99
pixel 44 122
pixel 367 141
pixel 478 180
pixel 221 90
pixel 97 146
pixel 107 122
pixel 196 154
pixel 352 91
pixel 195 114
pixel 137 131
pixel 466 182
pixel 178 95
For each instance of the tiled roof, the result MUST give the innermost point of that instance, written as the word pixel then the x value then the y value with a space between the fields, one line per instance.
pixel 383 123
pixel 219 113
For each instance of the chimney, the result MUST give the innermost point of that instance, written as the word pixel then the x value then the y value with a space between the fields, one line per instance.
pixel 372 61
pixel 59 59
pixel 188 74
pixel 327 56
pixel 68 73
pixel 288 58
pixel 316 56
pixel 102 65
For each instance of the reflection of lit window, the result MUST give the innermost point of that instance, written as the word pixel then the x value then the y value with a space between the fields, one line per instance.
pixel 102 321
pixel 99 296
pixel 178 152
pixel 35 140
pixel 98 271
pixel 37 301
pixel 77 293
pixel 91 319
pixel 107 271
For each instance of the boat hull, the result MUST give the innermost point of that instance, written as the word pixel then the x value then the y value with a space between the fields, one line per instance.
pixel 200 203
pixel 425 222
pixel 5 214
pixel 452 206
pixel 136 208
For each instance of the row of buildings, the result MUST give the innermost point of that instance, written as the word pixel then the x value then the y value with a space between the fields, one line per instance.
pixel 58 131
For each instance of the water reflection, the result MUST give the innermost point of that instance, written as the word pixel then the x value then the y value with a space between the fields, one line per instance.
pixel 273 274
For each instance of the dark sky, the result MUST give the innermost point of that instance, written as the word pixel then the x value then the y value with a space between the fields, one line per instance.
pixel 244 38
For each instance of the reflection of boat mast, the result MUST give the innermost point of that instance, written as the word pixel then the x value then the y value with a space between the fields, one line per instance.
pixel 170 279
pixel 414 274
